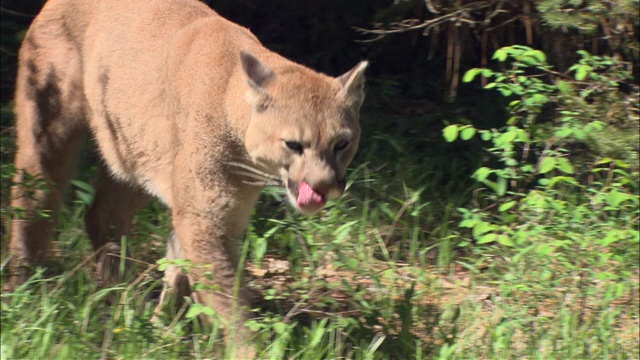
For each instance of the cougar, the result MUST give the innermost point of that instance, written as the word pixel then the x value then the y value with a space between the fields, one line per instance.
pixel 183 105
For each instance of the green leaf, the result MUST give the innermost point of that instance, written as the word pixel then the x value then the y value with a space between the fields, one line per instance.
pixel 581 72
pixel 481 228
pixel 544 249
pixel 280 327
pixel 482 173
pixel 598 125
pixel 527 168
pixel 271 231
pixel 563 87
pixel 603 276
pixel 539 55
pixel 505 240
pixel 583 53
pixel 84 197
pixel 523 136
pixel 615 198
pixel 606 160
pixel 486 72
pixel 471 74
pixel 197 309
pixel 500 55
pixel 529 61
pixel 450 133
pixel 467 133
pixel 509 136
pixel 341 232
pixel 468 223
pixel 487 238
pixel 611 237
pixel 565 166
pixel 194 310
pixel 492 185
pixel 538 99
pixel 564 132
pixel 621 164
pixel 511 162
pixel 163 264
pixel 485 135
pixel 547 164
pixel 506 206
pixel 84 186
pixel 502 186
pixel 505 92
pixel 490 85
pixel 560 179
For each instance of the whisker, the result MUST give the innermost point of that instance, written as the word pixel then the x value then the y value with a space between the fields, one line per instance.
pixel 261 163
pixel 253 170
pixel 260 183
pixel 252 175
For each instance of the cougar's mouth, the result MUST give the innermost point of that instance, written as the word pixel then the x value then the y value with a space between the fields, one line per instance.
pixel 305 198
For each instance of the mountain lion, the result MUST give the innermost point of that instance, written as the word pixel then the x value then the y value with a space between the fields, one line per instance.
pixel 185 106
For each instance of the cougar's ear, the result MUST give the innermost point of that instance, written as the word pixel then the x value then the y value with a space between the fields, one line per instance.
pixel 256 73
pixel 353 83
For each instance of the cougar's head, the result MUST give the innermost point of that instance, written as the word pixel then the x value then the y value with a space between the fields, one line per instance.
pixel 304 127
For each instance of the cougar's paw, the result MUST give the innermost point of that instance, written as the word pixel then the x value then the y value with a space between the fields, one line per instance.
pixel 109 270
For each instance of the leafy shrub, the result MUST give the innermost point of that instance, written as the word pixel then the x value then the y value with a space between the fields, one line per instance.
pixel 558 221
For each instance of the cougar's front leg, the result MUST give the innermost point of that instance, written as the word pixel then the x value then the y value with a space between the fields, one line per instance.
pixel 210 211
pixel 215 260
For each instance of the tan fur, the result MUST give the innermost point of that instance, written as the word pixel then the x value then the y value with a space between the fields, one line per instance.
pixel 180 101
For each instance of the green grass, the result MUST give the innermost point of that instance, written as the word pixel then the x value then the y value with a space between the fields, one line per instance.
pixel 385 272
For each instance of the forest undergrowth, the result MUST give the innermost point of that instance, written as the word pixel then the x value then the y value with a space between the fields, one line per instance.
pixel 469 241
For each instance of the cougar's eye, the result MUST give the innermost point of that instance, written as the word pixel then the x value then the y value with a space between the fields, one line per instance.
pixel 341 145
pixel 294 146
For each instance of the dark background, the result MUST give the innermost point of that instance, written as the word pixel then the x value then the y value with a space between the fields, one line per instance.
pixel 321 35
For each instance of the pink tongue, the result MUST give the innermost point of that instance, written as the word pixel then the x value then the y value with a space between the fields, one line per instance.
pixel 307 197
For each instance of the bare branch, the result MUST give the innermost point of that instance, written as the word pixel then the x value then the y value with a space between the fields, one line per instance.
pixel 467 13
pixel 462 14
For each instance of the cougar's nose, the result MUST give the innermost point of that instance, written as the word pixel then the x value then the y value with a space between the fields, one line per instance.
pixel 329 189
pixel 322 188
